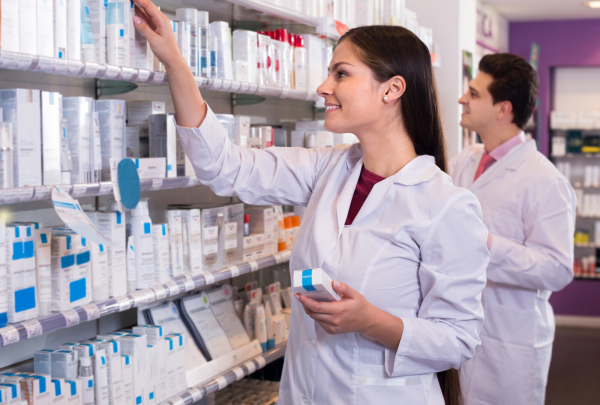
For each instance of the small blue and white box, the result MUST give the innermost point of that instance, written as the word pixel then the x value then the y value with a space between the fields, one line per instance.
pixel 314 284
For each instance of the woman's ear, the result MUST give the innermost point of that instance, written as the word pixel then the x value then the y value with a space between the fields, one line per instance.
pixel 395 88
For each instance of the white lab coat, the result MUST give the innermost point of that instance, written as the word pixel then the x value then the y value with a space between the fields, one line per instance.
pixel 417 249
pixel 529 209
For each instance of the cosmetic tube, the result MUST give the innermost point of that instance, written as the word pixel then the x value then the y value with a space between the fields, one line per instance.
pixel 87 380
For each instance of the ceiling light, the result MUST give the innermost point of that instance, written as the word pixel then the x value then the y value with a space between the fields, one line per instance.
pixel 592 4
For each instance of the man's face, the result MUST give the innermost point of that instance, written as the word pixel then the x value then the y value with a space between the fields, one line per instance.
pixel 479 111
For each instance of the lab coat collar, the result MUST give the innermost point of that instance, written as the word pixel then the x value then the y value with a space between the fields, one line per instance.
pixel 419 170
pixel 513 159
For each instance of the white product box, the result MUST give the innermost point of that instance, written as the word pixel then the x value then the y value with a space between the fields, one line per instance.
pixel 99 362
pixel 99 268
pixel 230 241
pixel 183 34
pixel 3 281
pixel 96 142
pixel 249 242
pixel 132 142
pixel 184 166
pixel 162 258
pixel 97 10
pixel 241 130
pixel 180 350
pixel 70 275
pixel 12 391
pixel 45 27
pixel 193 241
pixel 171 364
pixel 220 30
pixel 176 237
pixel 43 261
pixel 112 226
pixel 60 29
pixel 134 346
pixel 245 51
pixel 241 71
pixel 78 113
pixel 262 220
pixel 42 363
pixel 28 26
pixel 298 138
pixel 270 243
pixel 21 107
pixel 314 54
pixel 259 245
pixel 9 39
pixel 163 141
pixel 144 58
pixel 36 389
pixel 20 272
pixel 115 372
pixel 73 30
pixel 64 364
pixel 51 106
pixel 324 139
pixel 111 114
pixel 151 374
pixel 564 120
pixel 138 112
pixel 151 168
pixel 57 388
pixel 73 392
pixel 315 284
pixel 127 369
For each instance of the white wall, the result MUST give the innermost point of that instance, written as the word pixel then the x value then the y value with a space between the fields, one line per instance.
pixel 576 89
pixel 454 30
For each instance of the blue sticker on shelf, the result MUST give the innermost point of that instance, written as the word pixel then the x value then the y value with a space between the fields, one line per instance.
pixel 129 183
pixel 25 299
pixel 77 290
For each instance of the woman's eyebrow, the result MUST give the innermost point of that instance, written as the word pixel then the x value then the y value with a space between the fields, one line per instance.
pixel 334 67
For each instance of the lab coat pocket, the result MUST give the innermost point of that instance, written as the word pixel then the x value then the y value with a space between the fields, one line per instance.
pixel 504 225
pixel 390 391
pixel 511 325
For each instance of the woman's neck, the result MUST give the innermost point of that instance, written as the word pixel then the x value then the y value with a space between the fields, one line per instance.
pixel 386 150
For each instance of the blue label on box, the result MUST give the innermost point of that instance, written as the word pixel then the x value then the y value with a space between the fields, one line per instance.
pixel 307 280
pixel 57 388
pixel 147 228
pixel 67 261
pixel 25 299
pixel 118 218
pixel 77 290
pixel 28 250
pixel 73 385
pixel 83 258
pixel 44 238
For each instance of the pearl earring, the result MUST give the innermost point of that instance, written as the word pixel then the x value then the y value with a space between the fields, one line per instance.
pixel 385 98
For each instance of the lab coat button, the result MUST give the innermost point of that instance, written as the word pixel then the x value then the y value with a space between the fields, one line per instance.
pixel 305 398
pixel 312 342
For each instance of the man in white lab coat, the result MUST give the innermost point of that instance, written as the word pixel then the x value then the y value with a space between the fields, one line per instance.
pixel 529 210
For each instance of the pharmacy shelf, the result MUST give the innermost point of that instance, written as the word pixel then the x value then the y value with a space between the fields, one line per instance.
pixel 177 285
pixel 222 380
pixel 587 277
pixel 587 245
pixel 39 193
pixel 43 64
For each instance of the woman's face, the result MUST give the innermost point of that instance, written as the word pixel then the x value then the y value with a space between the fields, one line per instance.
pixel 353 98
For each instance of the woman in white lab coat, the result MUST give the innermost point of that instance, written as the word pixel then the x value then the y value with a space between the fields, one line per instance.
pixel 410 262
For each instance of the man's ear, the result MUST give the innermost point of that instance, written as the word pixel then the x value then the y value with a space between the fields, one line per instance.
pixel 505 110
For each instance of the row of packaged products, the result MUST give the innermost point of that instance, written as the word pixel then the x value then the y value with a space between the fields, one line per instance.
pixel 45 270
pixel 565 120
pixel 142 365
pixel 575 142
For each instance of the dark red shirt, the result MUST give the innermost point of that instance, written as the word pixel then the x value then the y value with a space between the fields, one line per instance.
pixel 364 186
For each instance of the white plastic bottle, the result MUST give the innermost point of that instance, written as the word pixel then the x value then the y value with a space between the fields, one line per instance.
pixel 284 79
pixel 87 381
pixel 260 326
pixel 131 273
pixel 141 229
pixel 203 44
pixel 214 57
pixel 88 49
pixel 115 34
pixel 300 67
pixel 190 16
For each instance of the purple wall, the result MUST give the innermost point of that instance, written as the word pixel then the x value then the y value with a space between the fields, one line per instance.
pixel 562 43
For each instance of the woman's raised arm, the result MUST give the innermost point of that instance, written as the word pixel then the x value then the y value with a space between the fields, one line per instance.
pixel 189 105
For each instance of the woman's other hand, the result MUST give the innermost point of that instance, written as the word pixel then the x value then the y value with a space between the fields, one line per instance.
pixel 157 29
pixel 352 314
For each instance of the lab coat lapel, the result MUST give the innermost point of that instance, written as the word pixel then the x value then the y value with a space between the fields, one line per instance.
pixel 418 170
pixel 510 162
pixel 354 164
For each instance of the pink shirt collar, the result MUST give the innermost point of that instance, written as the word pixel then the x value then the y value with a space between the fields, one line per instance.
pixel 503 149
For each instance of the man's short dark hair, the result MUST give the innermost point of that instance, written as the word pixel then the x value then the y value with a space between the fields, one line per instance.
pixel 514 81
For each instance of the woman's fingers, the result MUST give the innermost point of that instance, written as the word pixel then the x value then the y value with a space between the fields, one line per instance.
pixel 145 29
pixel 318 307
pixel 157 19
pixel 140 13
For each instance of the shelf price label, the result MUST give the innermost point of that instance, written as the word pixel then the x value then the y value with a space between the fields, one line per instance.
pixel 159 292
pixel 234 271
pixel 42 193
pixel 221 382
pixel 61 66
pixel 156 184
pixel 33 328
pixel 25 194
pixel 173 288
pixel 45 64
pixel 92 311
pixel 284 93
pixel 253 265
pixel 143 75
pixel 208 278
pixel 123 302
pixel 71 317
pixel 239 373
pixel 91 69
pixel 9 335
pixel 261 361
pixel 8 59
pixel 158 78
pixel 112 72
pixel 250 366
pixel 192 181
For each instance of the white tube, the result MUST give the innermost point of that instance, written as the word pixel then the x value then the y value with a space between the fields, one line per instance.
pixel 115 34
pixel 100 378
pixel 99 272
pixel 43 262
pixel 260 326
pixel 28 27
pixel 247 322
pixel 88 49
pixel 141 229
pixel 10 25
pixel 73 30
pixel 130 265
pixel 87 380
pixel 45 28
pixel 3 275
pixel 96 149
pixel 269 321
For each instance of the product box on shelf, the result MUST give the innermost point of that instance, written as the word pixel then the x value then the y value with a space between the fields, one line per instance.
pixel 111 115
pixel 163 141
pixel 241 130
pixel 127 370
pixel 132 142
pixel 175 223
pixel 51 107
pixel 151 168
pixel 21 107
pixel 262 220
pixel 134 346
pixel 73 392
pixel 184 166
pixel 21 283
pixel 9 41
pixel 245 50
pixel 179 341
pixel 192 241
pixel 220 30
pixel 111 224
pixel 64 364
pixel 115 372
pixel 138 112
pixel 162 257
pixel 78 113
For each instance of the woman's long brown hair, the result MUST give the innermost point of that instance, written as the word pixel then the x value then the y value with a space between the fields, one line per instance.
pixel 395 51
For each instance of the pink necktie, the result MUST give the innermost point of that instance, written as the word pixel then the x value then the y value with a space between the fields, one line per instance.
pixel 485 162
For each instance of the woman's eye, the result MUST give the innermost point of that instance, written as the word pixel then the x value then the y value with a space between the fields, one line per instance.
pixel 342 74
